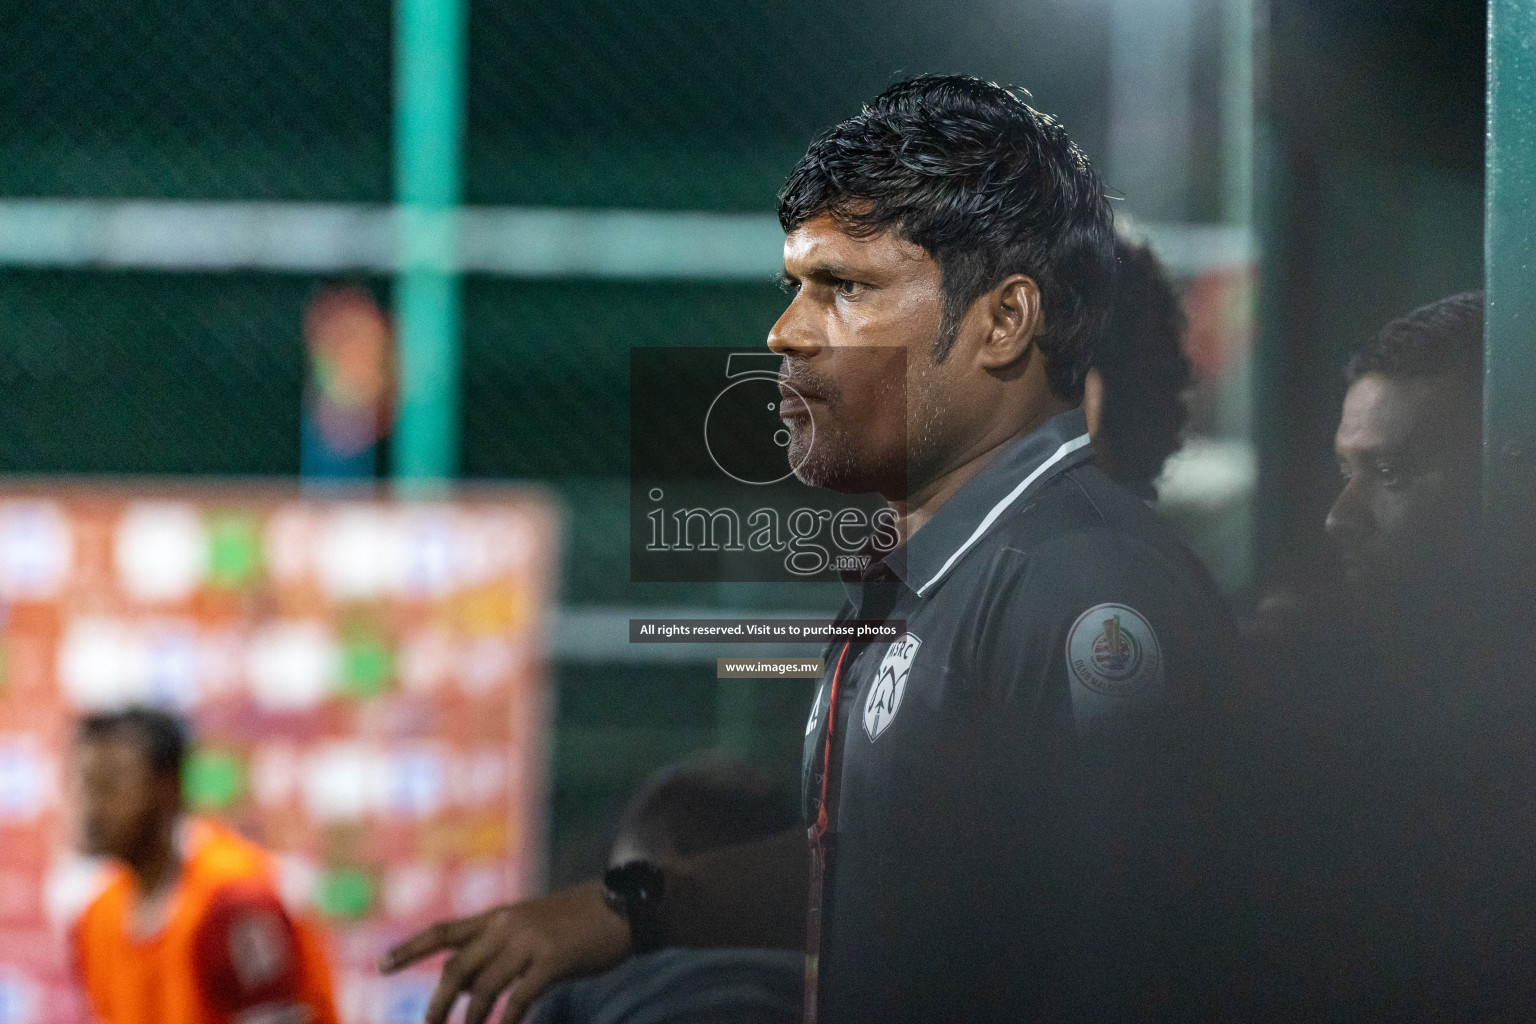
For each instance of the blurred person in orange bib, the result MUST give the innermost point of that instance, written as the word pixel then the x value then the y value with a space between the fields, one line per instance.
pixel 189 929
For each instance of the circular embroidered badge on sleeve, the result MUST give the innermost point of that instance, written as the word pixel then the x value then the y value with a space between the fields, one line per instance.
pixel 1113 652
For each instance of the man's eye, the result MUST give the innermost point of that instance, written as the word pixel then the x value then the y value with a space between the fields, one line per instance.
pixel 788 285
pixel 846 288
pixel 1391 476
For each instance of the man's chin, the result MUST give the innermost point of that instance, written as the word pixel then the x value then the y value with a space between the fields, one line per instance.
pixel 816 468
pixel 850 476
pixel 838 483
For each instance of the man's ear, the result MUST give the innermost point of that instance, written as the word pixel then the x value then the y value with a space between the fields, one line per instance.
pixel 1015 320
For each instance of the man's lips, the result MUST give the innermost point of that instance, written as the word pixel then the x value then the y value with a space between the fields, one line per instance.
pixel 795 401
pixel 1353 563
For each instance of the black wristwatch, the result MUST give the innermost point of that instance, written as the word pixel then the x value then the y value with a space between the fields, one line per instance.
pixel 633 891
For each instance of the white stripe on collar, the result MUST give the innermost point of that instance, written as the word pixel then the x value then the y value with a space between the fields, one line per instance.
pixel 1001 507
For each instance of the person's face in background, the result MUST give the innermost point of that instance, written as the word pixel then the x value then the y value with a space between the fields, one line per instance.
pixel 122 804
pixel 1407 448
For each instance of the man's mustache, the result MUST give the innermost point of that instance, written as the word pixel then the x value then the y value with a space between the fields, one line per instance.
pixel 806 382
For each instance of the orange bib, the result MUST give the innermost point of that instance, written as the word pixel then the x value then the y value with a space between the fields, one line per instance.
pixel 159 980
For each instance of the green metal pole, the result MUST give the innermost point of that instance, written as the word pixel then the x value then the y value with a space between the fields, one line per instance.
pixel 1509 382
pixel 429 127
pixel 1237 112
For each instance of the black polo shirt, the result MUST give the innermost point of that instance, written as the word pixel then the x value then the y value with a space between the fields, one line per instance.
pixel 1008 800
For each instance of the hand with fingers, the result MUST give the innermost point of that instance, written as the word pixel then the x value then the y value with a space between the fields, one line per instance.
pixel 522 947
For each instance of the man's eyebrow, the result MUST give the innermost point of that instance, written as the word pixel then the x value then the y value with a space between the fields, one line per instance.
pixel 1386 453
pixel 825 271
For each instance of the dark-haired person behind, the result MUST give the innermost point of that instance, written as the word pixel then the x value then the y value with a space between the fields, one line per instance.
pixel 1409 450
pixel 705 803
pixel 189 929
pixel 1389 714
pixel 1408 571
pixel 991 798
pixel 1133 394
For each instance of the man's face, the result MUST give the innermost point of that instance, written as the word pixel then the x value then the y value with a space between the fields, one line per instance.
pixel 1407 448
pixel 862 393
pixel 121 802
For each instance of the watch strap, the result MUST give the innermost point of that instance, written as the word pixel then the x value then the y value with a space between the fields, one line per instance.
pixel 634 891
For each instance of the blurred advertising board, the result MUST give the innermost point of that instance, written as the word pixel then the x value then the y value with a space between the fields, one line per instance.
pixel 365 682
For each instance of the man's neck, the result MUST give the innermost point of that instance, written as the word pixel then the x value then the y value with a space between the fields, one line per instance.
pixel 156 867
pixel 913 513
pixel 156 872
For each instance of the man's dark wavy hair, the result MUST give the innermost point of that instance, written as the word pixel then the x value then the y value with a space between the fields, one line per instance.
pixel 1146 373
pixel 988 186
pixel 1444 338
pixel 160 735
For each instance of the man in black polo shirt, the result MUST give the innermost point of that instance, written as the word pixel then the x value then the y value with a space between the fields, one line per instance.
pixel 991 796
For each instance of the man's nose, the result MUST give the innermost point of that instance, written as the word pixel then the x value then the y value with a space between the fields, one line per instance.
pixel 1347 516
pixel 790 335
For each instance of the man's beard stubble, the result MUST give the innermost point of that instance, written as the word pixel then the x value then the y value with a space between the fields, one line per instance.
pixel 834 456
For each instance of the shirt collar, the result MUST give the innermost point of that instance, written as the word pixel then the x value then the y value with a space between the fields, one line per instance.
pixel 1008 481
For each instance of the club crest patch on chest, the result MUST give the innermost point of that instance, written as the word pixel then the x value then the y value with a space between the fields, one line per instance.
pixel 1113 653
pixel 884 698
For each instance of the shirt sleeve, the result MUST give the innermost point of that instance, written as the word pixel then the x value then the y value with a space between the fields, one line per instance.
pixel 1082 715
pixel 1058 818
pixel 1093 634
pixel 247 951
